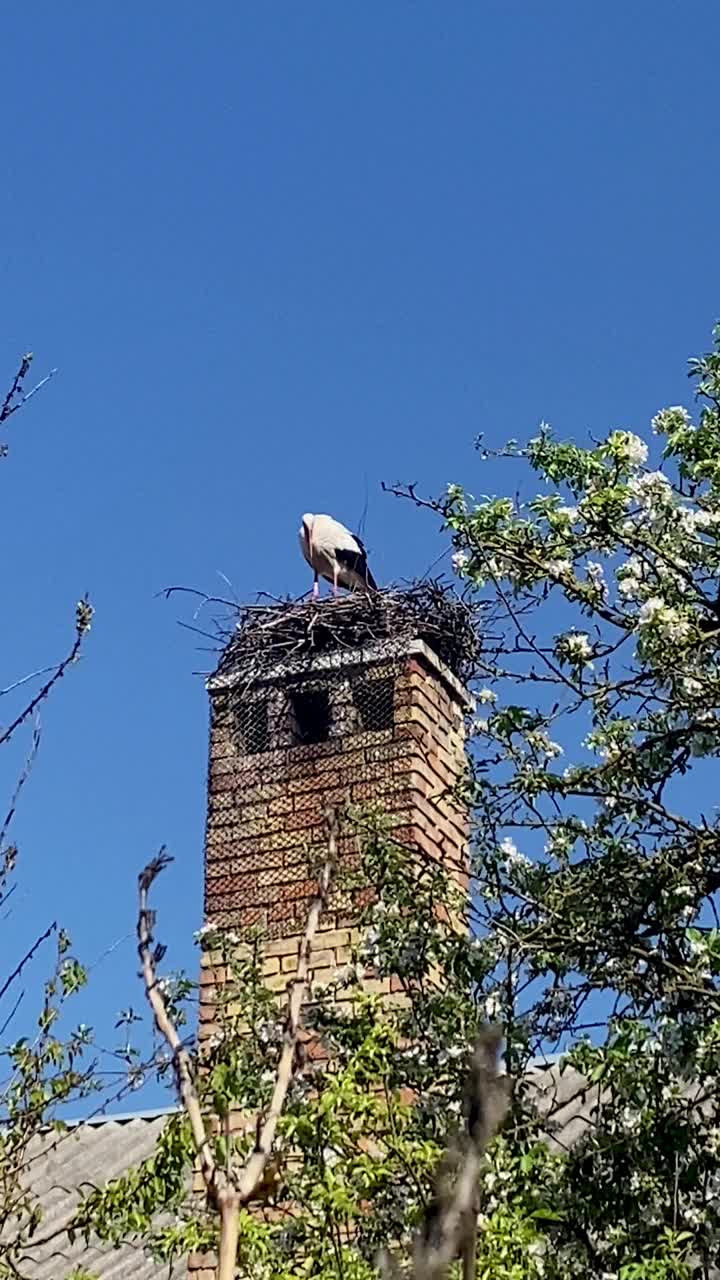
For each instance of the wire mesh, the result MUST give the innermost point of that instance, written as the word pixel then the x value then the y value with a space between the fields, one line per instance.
pixel 280 754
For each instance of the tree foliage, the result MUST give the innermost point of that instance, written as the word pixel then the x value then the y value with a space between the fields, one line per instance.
pixel 595 935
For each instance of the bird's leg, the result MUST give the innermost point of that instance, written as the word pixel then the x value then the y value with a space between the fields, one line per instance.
pixel 316 588
pixel 335 577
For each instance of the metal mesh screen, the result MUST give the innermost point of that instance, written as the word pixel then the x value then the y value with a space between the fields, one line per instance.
pixel 382 729
pixel 280 753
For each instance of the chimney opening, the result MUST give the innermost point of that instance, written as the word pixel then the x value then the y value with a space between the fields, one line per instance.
pixel 311 713
pixel 251 720
pixel 375 703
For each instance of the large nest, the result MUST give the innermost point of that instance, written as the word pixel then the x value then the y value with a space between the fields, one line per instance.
pixel 267 637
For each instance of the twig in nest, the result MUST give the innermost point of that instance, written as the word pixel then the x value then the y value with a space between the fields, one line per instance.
pixel 260 637
pixel 229 1189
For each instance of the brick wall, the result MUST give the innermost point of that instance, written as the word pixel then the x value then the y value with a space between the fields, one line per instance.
pixel 265 820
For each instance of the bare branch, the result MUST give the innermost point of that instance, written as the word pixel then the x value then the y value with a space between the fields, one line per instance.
pixel 82 624
pixel 16 397
pixel 226 1189
pixel 181 1058
pixel 16 387
pixel 26 771
pixel 32 675
pixel 27 957
pixel 451 1218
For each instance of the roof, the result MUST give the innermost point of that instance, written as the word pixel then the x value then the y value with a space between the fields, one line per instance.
pixel 98 1150
pixel 93 1151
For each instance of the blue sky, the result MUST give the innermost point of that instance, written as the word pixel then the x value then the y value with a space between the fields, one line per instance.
pixel 280 253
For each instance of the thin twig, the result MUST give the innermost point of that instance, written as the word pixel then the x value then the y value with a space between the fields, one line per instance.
pixel 13 1011
pixel 58 674
pixel 8 407
pixel 32 675
pixel 27 957
pixel 26 771
pixel 16 387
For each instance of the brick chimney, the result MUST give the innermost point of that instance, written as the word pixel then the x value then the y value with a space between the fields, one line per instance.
pixel 350 700
pixel 353 700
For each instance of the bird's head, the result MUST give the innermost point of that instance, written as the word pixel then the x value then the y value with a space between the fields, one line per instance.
pixel 306 527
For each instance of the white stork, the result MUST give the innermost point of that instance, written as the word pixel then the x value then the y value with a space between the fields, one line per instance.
pixel 335 554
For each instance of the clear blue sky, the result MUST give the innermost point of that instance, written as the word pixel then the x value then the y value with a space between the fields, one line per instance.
pixel 279 251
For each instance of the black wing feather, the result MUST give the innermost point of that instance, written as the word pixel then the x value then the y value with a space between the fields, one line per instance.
pixel 357 562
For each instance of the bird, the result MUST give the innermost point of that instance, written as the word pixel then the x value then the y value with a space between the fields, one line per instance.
pixel 335 554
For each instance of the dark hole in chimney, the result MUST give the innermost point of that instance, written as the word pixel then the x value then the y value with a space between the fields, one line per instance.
pixel 311 711
pixel 375 702
pixel 252 726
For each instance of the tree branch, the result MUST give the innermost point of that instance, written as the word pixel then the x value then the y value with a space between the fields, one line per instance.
pixel 83 620
pixel 228 1190
pixel 27 957
pixel 149 957
pixel 15 398
pixel 450 1227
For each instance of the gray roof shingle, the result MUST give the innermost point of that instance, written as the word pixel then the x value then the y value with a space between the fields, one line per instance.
pixel 93 1152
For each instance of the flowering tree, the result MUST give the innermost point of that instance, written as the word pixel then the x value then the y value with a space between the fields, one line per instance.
pixel 597 881
pixel 596 865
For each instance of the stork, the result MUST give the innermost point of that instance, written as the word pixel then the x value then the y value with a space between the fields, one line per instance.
pixel 334 553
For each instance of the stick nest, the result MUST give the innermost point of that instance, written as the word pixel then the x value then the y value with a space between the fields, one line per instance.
pixel 267 636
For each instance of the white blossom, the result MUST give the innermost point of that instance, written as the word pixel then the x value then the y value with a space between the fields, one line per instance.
pixel 558 568
pixel 492 1006
pixel 513 857
pixel 628 447
pixel 486 696
pixel 668 621
pixel 459 561
pixel 691 687
pixel 697 521
pixel 575 646
pixel 629 581
pixel 676 629
pixel 596 577
pixel 652 489
pixel 670 419
pixel 567 513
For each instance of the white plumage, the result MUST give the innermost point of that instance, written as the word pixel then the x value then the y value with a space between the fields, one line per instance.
pixel 335 554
